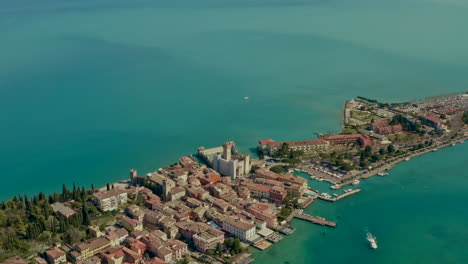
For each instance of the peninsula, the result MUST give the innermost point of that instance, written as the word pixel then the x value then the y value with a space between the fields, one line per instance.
pixel 213 206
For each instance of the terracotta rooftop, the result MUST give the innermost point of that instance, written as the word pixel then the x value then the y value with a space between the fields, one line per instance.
pixel 265 141
pixel 92 243
pixel 155 260
pixel 40 260
pixel 177 190
pixel 55 253
pixel 130 221
pixel 15 260
pixel 263 188
pixel 108 194
pixel 237 222
pixel 62 209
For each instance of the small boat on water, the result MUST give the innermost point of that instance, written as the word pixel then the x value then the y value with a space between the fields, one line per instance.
pixel 407 159
pixel 382 173
pixel 372 240
pixel 246 97
pixel 355 182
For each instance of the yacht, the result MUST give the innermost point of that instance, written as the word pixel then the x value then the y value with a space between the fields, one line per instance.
pixel 372 240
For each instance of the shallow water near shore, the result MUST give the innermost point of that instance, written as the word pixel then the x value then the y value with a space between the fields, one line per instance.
pixel 90 89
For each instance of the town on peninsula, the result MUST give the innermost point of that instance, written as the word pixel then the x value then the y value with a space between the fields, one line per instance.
pixel 214 205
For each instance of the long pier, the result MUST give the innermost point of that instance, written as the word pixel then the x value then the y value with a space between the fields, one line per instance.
pixel 341 196
pixel 316 220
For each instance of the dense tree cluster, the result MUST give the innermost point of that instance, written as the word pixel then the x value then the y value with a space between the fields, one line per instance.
pixel 24 220
pixel 381 105
pixel 277 169
pixel 230 247
pixel 406 124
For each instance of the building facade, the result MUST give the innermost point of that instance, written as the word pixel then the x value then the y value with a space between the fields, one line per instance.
pixel 239 228
pixel 208 239
pixel 269 146
pixel 110 200
pixel 91 247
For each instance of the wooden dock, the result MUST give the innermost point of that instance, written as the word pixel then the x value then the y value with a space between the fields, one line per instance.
pixel 316 220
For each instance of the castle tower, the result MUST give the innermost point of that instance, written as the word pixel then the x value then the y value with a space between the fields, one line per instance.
pixel 133 174
pixel 227 150
pixel 168 184
pixel 247 166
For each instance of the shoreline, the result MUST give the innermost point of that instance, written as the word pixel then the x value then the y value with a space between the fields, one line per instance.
pixel 329 167
pixel 387 167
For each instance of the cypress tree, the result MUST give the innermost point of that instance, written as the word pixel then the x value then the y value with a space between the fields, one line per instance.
pixel 74 196
pixel 21 203
pixel 16 201
pixel 108 187
pixel 63 226
pixel 51 199
pixel 84 195
pixel 35 201
pixel 27 204
pixel 86 220
pixel 64 193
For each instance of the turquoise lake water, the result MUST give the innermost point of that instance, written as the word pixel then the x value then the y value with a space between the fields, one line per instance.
pixel 90 89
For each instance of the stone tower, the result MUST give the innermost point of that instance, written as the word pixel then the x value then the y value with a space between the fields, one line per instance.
pixel 168 184
pixel 133 174
pixel 247 166
pixel 227 150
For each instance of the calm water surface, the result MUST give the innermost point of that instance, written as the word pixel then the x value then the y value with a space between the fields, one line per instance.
pixel 90 89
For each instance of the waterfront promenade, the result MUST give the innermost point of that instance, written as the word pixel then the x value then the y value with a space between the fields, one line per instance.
pixel 390 163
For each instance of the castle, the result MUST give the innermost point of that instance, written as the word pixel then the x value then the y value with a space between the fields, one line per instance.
pixel 226 160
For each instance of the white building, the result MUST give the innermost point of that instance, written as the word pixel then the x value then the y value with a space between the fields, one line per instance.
pixel 239 228
pixel 110 200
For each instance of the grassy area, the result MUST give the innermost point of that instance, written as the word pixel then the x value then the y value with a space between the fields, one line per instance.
pixel 103 220
pixel 348 130
pixel 403 138
pixel 362 116
pixel 31 245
